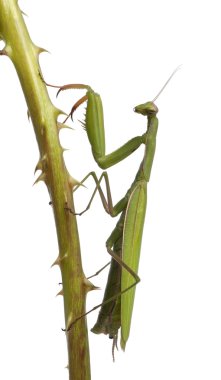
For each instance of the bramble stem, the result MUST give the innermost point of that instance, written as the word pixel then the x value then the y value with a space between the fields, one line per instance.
pixel 24 55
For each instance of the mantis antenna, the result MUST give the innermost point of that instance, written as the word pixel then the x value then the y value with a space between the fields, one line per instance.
pixel 168 80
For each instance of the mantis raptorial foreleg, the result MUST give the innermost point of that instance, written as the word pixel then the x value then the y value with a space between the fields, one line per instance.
pixel 94 126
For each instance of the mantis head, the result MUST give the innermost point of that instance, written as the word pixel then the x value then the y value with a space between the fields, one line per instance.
pixel 149 108
pixel 146 109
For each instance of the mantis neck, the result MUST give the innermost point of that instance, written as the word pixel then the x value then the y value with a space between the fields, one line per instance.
pixel 144 171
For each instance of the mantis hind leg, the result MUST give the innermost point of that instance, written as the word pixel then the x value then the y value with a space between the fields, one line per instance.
pixel 110 243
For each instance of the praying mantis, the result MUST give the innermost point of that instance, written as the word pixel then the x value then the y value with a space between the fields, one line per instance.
pixel 124 243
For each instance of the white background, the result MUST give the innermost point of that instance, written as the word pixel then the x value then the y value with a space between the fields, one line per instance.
pixel 125 50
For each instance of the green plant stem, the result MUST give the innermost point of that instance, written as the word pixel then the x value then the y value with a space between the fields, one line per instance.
pixel 24 55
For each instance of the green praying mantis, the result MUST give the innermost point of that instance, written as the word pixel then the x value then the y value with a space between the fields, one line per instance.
pixel 124 243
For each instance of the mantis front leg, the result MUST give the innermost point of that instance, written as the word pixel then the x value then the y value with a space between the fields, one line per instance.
pixel 94 126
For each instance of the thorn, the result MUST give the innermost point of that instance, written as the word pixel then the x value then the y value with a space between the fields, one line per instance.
pixel 7 50
pixel 59 112
pixel 24 14
pixel 42 177
pixel 3 52
pixel 67 367
pixel 61 126
pixel 89 286
pixel 41 50
pixel 38 166
pixel 59 260
pixel 28 114
pixel 64 149
pixel 61 293
pixel 95 288
pixel 73 182
pixel 56 262
pixel 69 322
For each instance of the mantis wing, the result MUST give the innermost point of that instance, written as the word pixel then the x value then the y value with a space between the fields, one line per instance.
pixel 132 237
